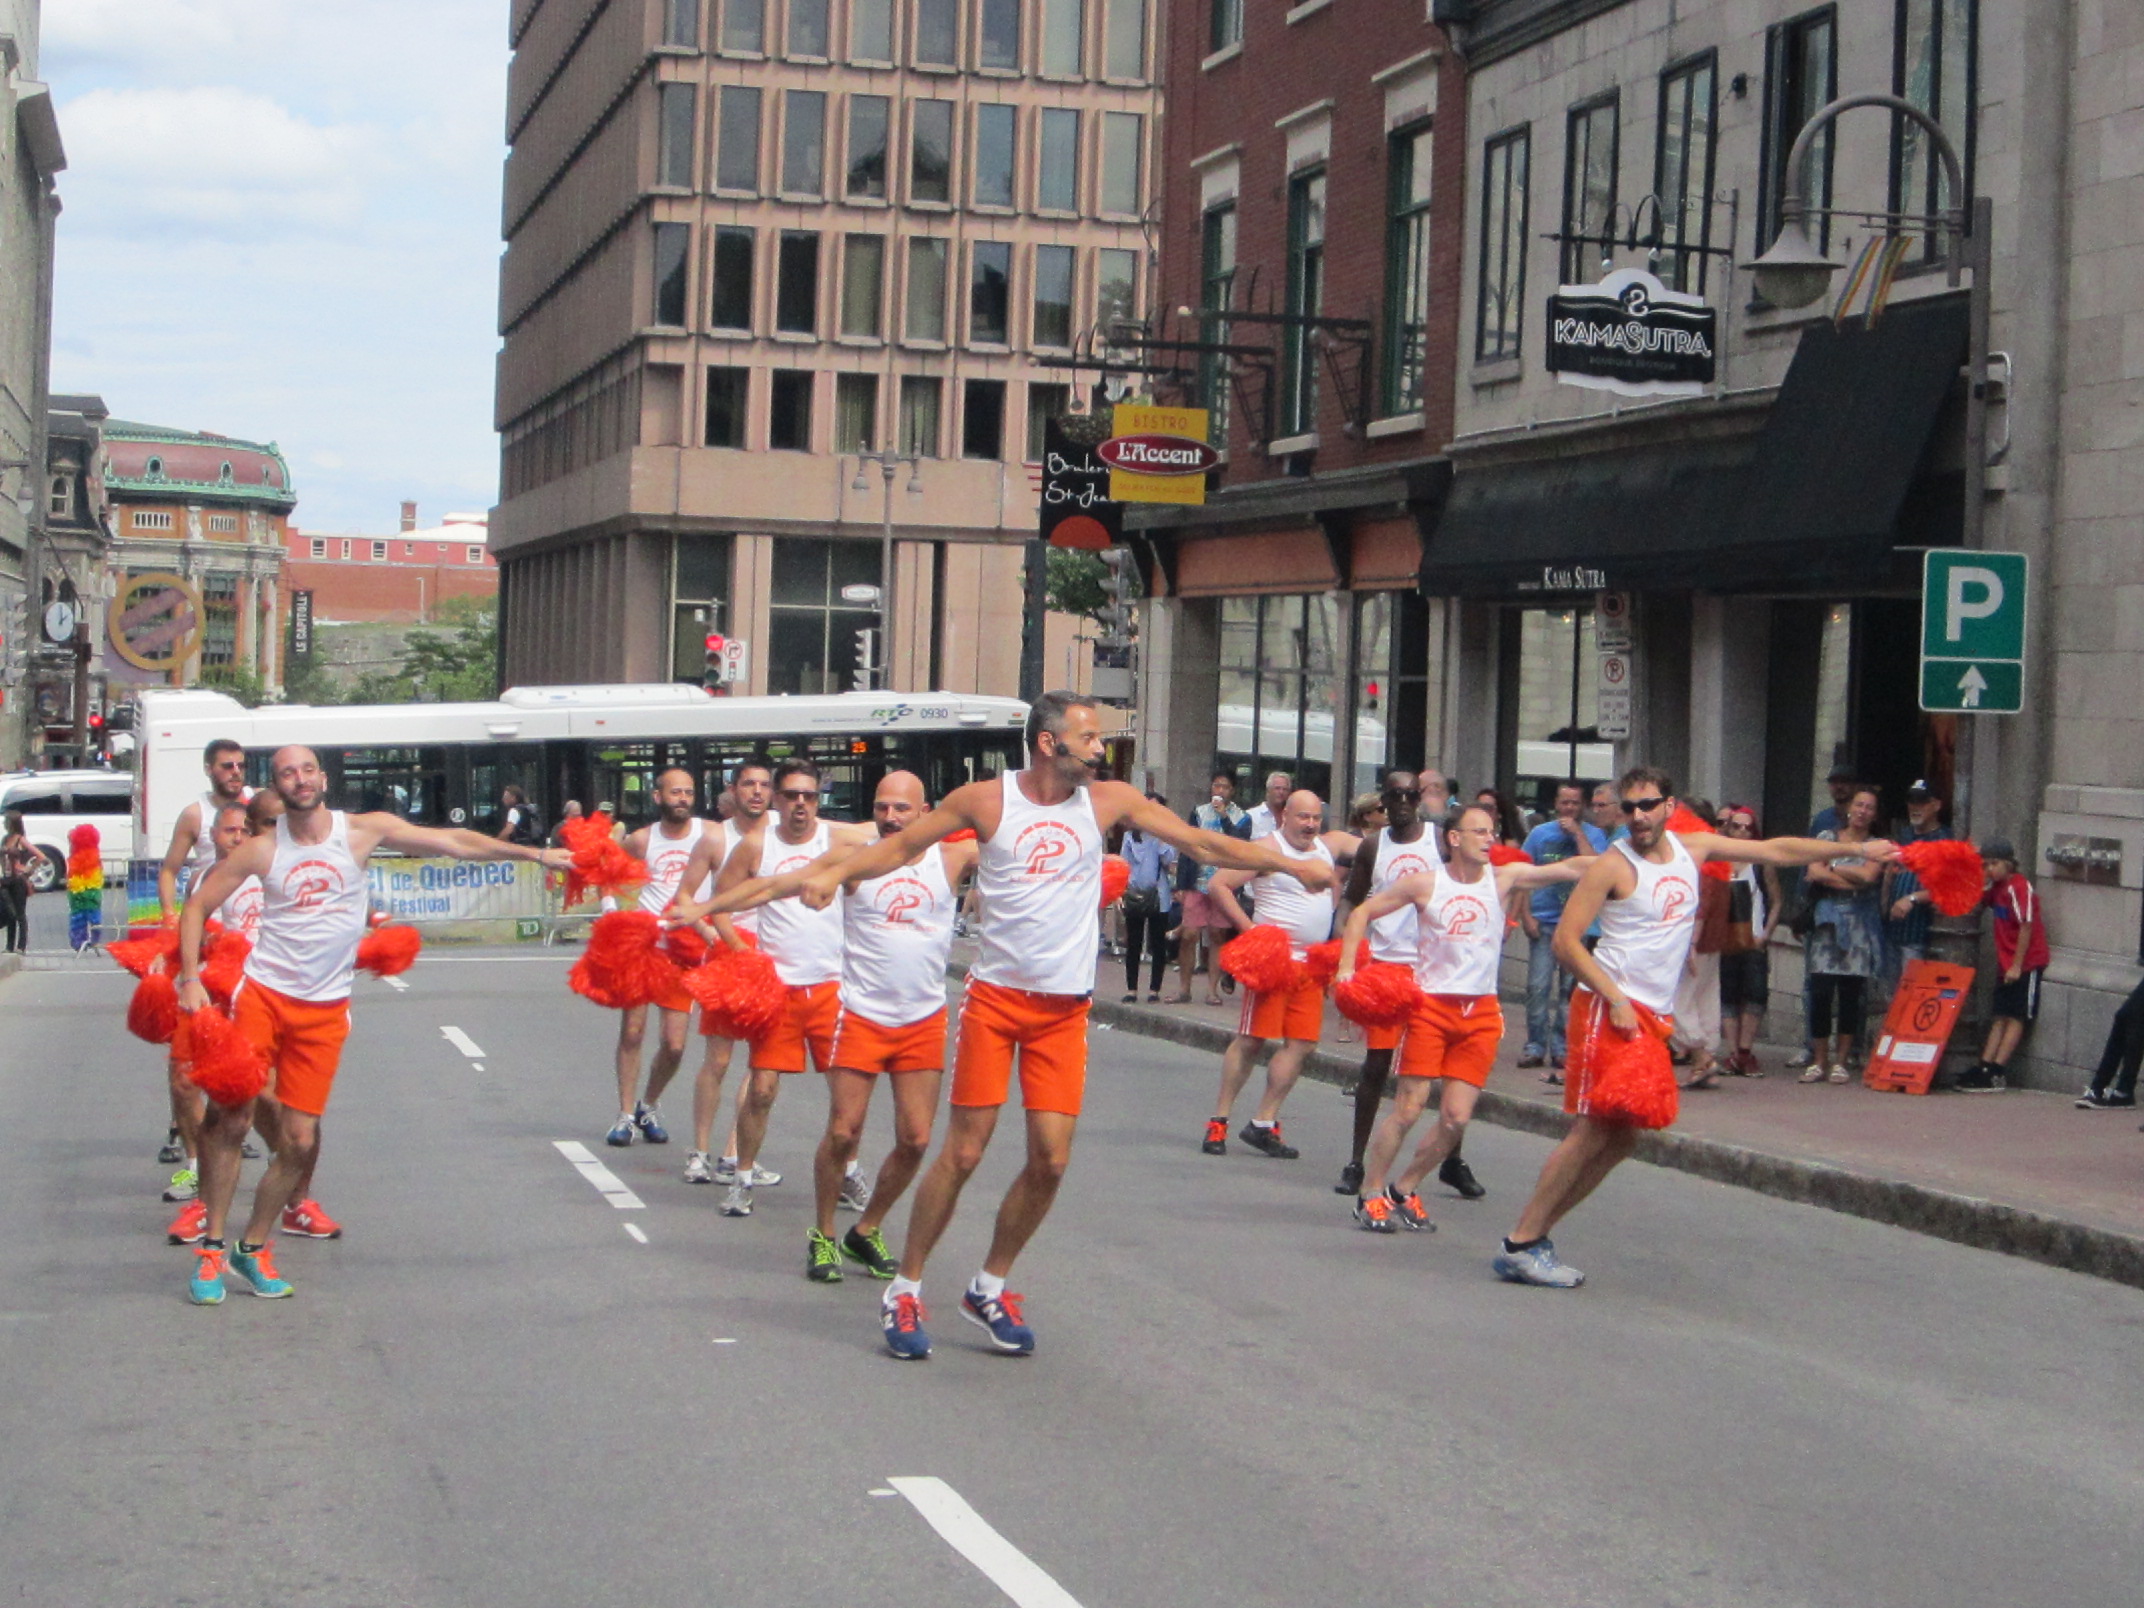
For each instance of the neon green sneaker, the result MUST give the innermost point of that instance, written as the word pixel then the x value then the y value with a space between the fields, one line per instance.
pixel 868 1251
pixel 822 1263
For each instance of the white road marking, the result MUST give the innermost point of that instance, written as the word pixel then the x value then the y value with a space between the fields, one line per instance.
pixel 637 1232
pixel 396 983
pixel 969 1534
pixel 724 1340
pixel 606 1182
pixel 883 1490
pixel 462 1041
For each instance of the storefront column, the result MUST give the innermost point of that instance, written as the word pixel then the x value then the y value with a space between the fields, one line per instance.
pixel 1660 707
pixel 1467 747
pixel 1730 646
pixel 1180 652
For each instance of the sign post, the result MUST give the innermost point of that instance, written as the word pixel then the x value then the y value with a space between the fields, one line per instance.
pixel 1973 631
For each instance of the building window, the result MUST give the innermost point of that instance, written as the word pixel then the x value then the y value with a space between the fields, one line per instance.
pixel 1217 282
pixel 144 519
pixel 728 390
pixel 1589 164
pixel 1801 74
pixel 868 116
pixel 219 626
pixel 789 413
pixel 681 23
pixel 319 548
pixel 1064 38
pixel 871 30
pixel 699 599
pixel 737 140
pixel 1116 288
pixel 677 109
pixel 1306 299
pixel 1224 24
pixel 796 284
pixel 863 285
pixel 1124 37
pixel 989 293
pixel 1120 164
pixel 1057 171
pixel 925 319
pixel 1501 289
pixel 1044 403
pixel 744 26
pixel 1053 297
pixel 937 33
pixel 1406 269
pixel 409 549
pixel 1283 685
pixel 473 555
pixel 997 46
pixel 1682 170
pixel 223 524
pixel 672 240
pixel 995 139
pixel 379 552
pixel 730 305
pixel 59 499
pixel 982 419
pixel 921 403
pixel 855 412
pixel 930 156
pixel 811 633
pixel 809 31
pixel 1937 68
pixel 345 553
pixel 803 142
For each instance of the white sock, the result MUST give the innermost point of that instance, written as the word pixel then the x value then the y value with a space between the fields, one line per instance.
pixel 696 1155
pixel 903 1286
pixel 1262 1125
pixel 851 1170
pixel 730 1162
pixel 987 1285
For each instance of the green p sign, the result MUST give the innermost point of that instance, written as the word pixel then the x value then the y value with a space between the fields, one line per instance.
pixel 1973 632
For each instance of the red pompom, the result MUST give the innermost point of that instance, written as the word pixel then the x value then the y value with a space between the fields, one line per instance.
pixel 1508 854
pixel 623 965
pixel 1633 1079
pixel 1380 994
pixel 146 947
pixel 82 838
pixel 389 950
pixel 1950 871
pixel 686 948
pixel 1262 960
pixel 600 863
pixel 225 967
pixel 153 1012
pixel 1322 961
pixel 225 1066
pixel 743 995
pixel 965 835
pixel 1116 877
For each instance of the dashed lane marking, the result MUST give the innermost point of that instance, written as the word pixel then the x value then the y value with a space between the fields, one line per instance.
pixel 462 1041
pixel 607 1183
pixel 1012 1571
pixel 637 1232
pixel 397 984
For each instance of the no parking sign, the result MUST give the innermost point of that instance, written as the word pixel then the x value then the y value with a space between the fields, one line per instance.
pixel 1923 1013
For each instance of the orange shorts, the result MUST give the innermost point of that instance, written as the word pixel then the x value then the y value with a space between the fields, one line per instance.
pixel 1613 1078
pixel 1297 1014
pixel 862 1045
pixel 301 1038
pixel 1453 1036
pixel 1386 1038
pixel 814 1008
pixel 674 996
pixel 1048 1030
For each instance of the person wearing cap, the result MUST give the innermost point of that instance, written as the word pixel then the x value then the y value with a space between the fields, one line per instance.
pixel 1906 907
pixel 1842 782
pixel 2021 954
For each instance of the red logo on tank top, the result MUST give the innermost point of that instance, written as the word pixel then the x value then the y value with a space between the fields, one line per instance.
pixel 791 862
pixel 311 883
pixel 894 900
pixel 1405 865
pixel 1046 849
pixel 669 864
pixel 1673 898
pixel 1463 916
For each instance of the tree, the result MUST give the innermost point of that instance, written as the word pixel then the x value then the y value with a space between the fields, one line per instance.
pixel 463 667
pixel 236 681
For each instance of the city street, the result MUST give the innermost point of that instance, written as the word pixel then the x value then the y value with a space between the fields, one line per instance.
pixel 506 1386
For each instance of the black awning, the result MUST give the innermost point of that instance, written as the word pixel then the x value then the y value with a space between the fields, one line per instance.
pixel 1811 501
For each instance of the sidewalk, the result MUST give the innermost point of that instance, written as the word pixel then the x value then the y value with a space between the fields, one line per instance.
pixel 2025 1172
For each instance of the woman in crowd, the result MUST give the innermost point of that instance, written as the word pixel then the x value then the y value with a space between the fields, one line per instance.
pixel 18 858
pixel 1149 907
pixel 1845 946
pixel 1746 953
pixel 1697 1000
pixel 1510 826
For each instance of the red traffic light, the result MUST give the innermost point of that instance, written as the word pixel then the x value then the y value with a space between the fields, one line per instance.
pixel 716 642
pixel 96 722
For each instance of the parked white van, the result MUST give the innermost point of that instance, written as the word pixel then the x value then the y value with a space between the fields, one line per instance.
pixel 53 803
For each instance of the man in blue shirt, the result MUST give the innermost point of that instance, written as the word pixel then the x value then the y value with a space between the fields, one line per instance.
pixel 1548 989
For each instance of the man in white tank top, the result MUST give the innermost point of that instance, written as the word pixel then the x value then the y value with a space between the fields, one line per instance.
pixel 294 1005
pixel 1644 893
pixel 1457 910
pixel 1040 865
pixel 1295 1018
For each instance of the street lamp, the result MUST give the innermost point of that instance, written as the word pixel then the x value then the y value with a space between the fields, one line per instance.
pixel 888 461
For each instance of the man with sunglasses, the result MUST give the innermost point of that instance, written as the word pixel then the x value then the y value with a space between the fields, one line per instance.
pixel 1644 893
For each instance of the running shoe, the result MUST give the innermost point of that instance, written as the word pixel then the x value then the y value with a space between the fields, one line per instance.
pixel 1000 1315
pixel 308 1221
pixel 698 1172
pixel 868 1251
pixel 185 1185
pixel 763 1177
pixel 1268 1140
pixel 257 1268
pixel 1350 1180
pixel 1216 1141
pixel 190 1227
pixel 1532 1059
pixel 855 1191
pixel 1536 1264
pixel 1459 1178
pixel 2105 1100
pixel 822 1262
pixel 738 1202
pixel 1375 1214
pixel 1408 1209
pixel 622 1134
pixel 725 1170
pixel 205 1288
pixel 901 1319
pixel 248 1150
pixel 173 1152
pixel 650 1123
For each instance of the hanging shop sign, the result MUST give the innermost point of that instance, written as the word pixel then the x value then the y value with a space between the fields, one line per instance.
pixel 1632 335
pixel 1077 509
pixel 1158 455
pixel 301 623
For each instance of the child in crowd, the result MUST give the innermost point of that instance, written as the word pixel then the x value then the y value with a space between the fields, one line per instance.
pixel 2020 957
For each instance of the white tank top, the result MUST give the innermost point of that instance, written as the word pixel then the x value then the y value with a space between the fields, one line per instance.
pixel 1041 881
pixel 313 904
pixel 666 862
pixel 1645 939
pixel 241 913
pixel 1460 936
pixel 805 943
pixel 204 849
pixel 897 933
pixel 727 836
pixel 1284 902
pixel 1393 937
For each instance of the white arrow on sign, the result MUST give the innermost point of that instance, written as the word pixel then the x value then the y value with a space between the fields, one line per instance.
pixel 1972 684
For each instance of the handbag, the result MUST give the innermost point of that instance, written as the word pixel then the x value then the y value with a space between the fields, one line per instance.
pixel 1798 909
pixel 1142 901
pixel 1741 937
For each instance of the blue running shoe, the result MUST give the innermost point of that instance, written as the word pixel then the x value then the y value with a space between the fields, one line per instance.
pixel 650 1125
pixel 621 1135
pixel 902 1320
pixel 257 1268
pixel 1536 1264
pixel 1000 1315
pixel 205 1288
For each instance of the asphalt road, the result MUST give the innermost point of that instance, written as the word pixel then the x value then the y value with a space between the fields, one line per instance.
pixel 491 1393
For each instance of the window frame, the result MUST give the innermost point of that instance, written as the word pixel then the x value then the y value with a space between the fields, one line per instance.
pixel 872 243
pixel 817 251
pixel 1581 122
pixel 727 374
pixel 893 34
pixel 948 111
pixel 1069 262
pixel 1932 247
pixel 659 287
pixel 846 383
pixel 849 191
pixel 940 248
pixel 912 441
pixel 789 30
pixel 1407 241
pixel 791 100
pixel 1305 298
pixel 1675 226
pixel 1777 142
pixel 1218 226
pixel 730 234
pixel 726 127
pixel 1511 285
pixel 991 111
pixel 955 14
pixel 1068 148
pixel 976 282
pixel 787 379
pixel 1049 12
pixel 970 387
pixel 986 12
pixel 676 137
pixel 1224 25
pixel 740 8
pixel 1106 121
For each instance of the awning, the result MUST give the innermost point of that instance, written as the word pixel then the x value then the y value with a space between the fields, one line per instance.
pixel 1811 501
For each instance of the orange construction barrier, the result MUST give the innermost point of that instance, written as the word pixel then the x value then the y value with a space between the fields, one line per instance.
pixel 1923 1014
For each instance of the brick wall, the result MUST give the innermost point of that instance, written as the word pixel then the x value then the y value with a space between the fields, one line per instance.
pixel 386 591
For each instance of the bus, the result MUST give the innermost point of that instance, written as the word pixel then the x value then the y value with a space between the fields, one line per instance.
pixel 447 764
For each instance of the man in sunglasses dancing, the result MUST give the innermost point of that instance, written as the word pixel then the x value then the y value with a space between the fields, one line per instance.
pixel 1644 893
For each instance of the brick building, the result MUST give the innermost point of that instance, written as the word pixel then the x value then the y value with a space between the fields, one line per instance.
pixel 401 578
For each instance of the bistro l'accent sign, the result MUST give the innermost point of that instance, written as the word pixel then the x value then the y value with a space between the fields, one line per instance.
pixel 1632 335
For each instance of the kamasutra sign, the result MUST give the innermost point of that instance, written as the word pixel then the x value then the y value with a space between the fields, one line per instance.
pixel 1632 335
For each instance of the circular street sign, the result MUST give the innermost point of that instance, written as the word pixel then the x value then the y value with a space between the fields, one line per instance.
pixel 59 622
pixel 155 621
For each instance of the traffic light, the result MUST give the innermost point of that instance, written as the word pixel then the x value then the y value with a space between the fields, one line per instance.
pixel 716 668
pixel 14 638
pixel 96 730
pixel 1119 582
pixel 866 650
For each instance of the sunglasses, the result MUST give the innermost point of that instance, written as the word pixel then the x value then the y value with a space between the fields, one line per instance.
pixel 1634 806
pixel 797 795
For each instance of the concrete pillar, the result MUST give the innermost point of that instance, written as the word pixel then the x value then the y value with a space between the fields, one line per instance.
pixel 1729 647
pixel 1181 695
pixel 1468 749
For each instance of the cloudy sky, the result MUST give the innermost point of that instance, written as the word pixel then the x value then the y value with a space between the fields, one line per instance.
pixel 281 222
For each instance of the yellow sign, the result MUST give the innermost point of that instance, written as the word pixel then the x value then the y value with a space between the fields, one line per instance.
pixel 1158 455
pixel 155 621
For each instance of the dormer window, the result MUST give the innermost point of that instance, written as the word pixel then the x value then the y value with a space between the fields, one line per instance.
pixel 155 468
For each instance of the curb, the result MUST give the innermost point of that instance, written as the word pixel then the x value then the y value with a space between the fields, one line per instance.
pixel 1963 1219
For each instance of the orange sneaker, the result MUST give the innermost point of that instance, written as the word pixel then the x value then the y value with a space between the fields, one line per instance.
pixel 307 1221
pixel 190 1227
pixel 1216 1141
